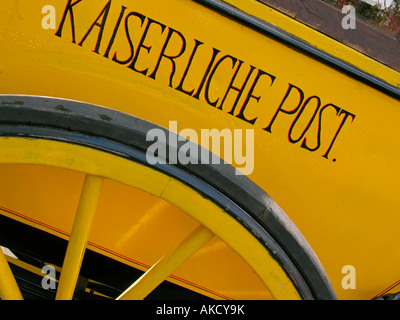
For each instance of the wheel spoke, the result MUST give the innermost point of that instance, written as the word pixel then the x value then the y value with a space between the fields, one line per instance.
pixel 8 286
pixel 166 265
pixel 79 237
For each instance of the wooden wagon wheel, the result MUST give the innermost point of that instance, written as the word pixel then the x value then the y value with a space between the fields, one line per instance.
pixel 74 136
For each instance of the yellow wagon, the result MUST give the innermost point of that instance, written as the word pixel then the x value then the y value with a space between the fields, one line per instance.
pixel 192 150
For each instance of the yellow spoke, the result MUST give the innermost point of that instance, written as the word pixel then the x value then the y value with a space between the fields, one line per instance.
pixel 79 237
pixel 166 265
pixel 8 286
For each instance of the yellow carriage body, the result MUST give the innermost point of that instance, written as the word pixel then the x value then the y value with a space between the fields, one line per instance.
pixel 325 142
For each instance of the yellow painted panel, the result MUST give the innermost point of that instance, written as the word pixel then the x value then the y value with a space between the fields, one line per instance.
pixel 345 204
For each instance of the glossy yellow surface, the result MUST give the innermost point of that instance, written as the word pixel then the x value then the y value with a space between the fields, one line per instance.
pixel 347 209
pixel 317 39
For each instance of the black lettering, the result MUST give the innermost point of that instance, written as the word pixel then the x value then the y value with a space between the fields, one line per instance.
pixel 206 93
pixel 130 14
pixel 298 116
pixel 104 14
pixel 304 143
pixel 346 115
pixel 171 58
pixel 114 32
pixel 250 95
pixel 268 128
pixel 141 45
pixel 203 80
pixel 239 90
pixel 289 105
pixel 68 9
pixel 180 86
